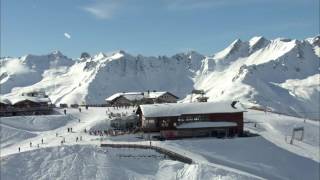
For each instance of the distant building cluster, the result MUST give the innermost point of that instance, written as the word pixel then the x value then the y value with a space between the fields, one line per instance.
pixel 157 113
pixel 28 103
pixel 137 98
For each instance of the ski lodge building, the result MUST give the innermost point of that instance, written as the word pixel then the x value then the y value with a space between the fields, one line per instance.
pixel 136 98
pixel 201 119
pixel 32 103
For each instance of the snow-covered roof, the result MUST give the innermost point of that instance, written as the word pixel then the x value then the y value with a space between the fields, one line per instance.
pixel 128 95
pixel 178 109
pixel 154 94
pixel 17 99
pixel 5 101
pixel 137 95
pixel 206 125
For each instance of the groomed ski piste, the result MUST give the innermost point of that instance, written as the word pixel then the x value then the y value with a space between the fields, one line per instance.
pixel 269 155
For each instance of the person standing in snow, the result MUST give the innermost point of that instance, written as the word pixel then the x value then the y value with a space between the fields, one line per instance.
pixel 41 141
pixel 65 112
pixel 77 139
pixel 30 144
pixel 79 109
pixel 19 149
pixel 79 120
pixel 87 107
pixel 38 146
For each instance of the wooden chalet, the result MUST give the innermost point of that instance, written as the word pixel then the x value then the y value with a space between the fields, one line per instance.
pixel 25 105
pixel 179 120
pixel 137 98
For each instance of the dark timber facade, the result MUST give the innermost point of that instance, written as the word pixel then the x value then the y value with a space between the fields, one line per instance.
pixel 217 124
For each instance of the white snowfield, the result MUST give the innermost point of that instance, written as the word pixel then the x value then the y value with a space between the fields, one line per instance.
pixel 266 156
pixel 280 74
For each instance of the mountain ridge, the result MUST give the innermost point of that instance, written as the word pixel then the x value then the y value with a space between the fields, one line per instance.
pixel 251 71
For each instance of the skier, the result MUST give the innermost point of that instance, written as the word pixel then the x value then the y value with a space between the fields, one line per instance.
pixel 85 130
pixel 38 146
pixel 77 139
pixel 19 149
pixel 65 112
pixel 79 120
pixel 87 107
pixel 30 144
pixel 79 109
pixel 41 141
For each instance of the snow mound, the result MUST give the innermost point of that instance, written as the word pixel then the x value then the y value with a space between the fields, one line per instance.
pixel 36 123
pixel 89 162
pixel 11 135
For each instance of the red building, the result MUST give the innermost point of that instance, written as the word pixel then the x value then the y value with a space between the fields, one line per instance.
pixel 178 120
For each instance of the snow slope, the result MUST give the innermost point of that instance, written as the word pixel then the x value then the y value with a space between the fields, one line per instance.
pixel 10 135
pixel 19 128
pixel 29 69
pixel 259 72
pixel 36 123
pixel 267 156
pixel 253 155
pixel 89 162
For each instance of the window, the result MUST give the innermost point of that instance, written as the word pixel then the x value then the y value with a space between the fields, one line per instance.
pixel 164 123
pixel 203 117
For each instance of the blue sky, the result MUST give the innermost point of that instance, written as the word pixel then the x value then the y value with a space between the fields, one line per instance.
pixel 148 27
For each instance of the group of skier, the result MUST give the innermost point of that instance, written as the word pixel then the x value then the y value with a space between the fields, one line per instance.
pixel 30 144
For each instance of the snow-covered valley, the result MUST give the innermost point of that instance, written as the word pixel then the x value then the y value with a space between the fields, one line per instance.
pixel 280 74
pixel 269 155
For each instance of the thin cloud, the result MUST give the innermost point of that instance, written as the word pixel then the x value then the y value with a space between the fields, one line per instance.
pixel 16 67
pixel 67 35
pixel 202 4
pixel 103 9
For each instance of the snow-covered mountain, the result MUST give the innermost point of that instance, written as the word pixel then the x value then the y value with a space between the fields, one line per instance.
pixel 281 74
